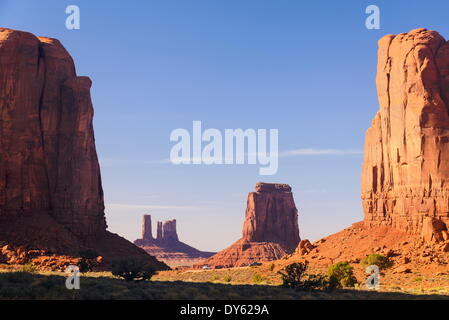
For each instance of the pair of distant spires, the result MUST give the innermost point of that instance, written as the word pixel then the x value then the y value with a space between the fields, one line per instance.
pixel 166 230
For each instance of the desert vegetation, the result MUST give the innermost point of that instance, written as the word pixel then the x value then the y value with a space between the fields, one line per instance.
pixel 26 285
pixel 300 281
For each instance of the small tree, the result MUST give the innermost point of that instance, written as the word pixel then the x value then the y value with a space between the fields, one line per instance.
pixel 341 275
pixel 317 282
pixel 132 270
pixel 87 261
pixel 292 277
pixel 295 276
pixel 378 260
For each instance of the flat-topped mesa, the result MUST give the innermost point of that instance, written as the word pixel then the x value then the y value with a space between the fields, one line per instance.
pixel 272 187
pixel 271 216
pixel 405 178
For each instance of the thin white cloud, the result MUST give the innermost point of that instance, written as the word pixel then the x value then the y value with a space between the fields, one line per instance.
pixel 318 152
pixel 288 153
pixel 117 161
pixel 150 206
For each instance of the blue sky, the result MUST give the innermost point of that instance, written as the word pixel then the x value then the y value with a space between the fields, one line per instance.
pixel 307 69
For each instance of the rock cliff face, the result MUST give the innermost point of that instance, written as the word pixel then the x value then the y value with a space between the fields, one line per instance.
pixel 270 230
pixel 167 247
pixel 169 233
pixel 405 178
pixel 48 160
pixel 271 216
pixel 49 172
pixel 147 232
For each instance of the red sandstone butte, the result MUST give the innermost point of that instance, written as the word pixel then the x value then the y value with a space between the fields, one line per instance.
pixel 167 247
pixel 270 230
pixel 51 196
pixel 405 178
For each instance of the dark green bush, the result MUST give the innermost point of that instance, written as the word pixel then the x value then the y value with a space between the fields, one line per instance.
pixel 85 265
pixel 378 260
pixel 29 267
pixel 87 261
pixel 257 278
pixel 132 270
pixel 88 254
pixel 295 276
pixel 341 275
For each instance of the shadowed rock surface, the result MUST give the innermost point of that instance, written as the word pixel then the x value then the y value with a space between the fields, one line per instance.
pixel 51 196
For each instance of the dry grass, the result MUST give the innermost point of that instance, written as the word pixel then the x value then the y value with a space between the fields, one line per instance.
pixel 228 284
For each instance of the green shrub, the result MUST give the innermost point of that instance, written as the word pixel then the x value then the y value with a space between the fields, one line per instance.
pixel 87 261
pixel 316 282
pixel 29 267
pixel 341 275
pixel 295 276
pixel 85 265
pixel 227 278
pixel 215 278
pixel 378 260
pixel 132 270
pixel 257 278
pixel 292 274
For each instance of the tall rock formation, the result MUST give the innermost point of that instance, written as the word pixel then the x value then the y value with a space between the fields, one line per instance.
pixel 270 230
pixel 49 172
pixel 48 160
pixel 405 178
pixel 169 233
pixel 159 231
pixel 271 216
pixel 147 232
pixel 167 247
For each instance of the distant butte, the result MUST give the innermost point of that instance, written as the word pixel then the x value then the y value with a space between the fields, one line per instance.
pixel 270 230
pixel 166 246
